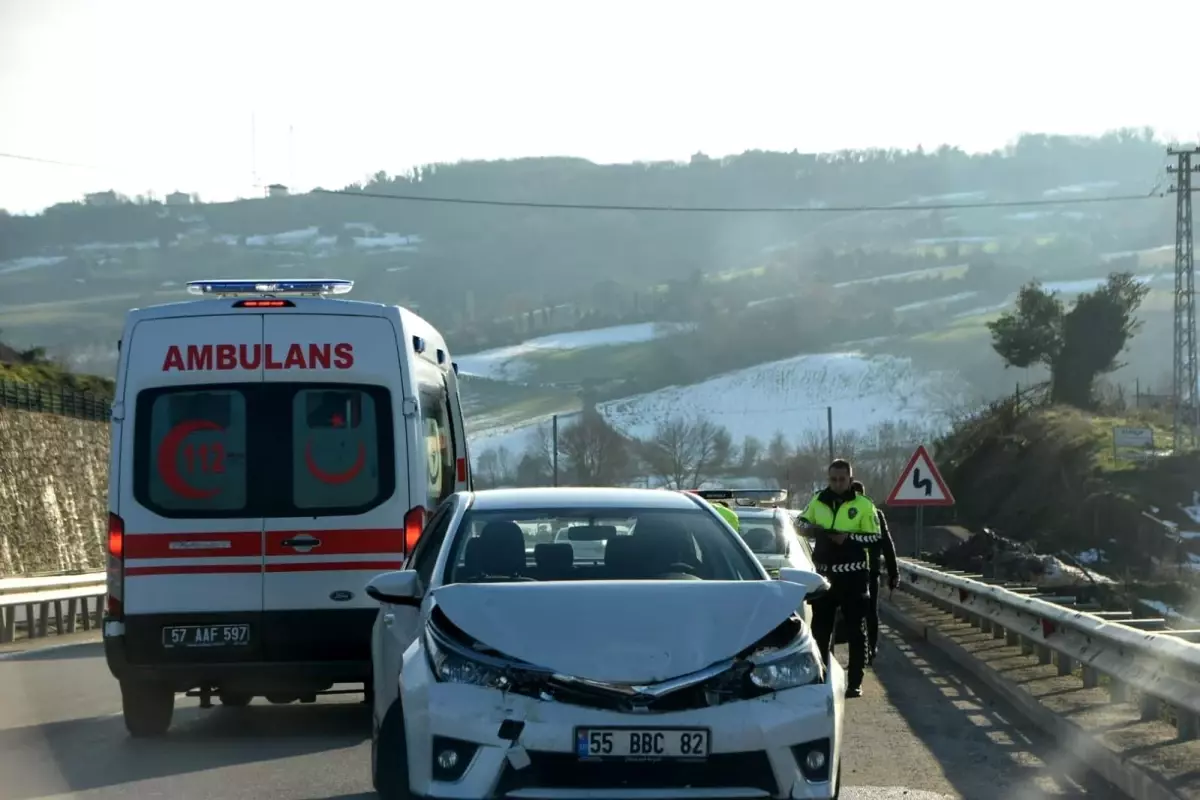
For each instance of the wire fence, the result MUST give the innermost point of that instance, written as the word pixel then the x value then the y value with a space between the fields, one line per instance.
pixel 54 400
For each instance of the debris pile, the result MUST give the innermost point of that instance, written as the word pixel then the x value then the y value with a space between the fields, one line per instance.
pixel 998 557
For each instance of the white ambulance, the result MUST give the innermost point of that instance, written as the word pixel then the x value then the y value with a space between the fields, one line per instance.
pixel 273 448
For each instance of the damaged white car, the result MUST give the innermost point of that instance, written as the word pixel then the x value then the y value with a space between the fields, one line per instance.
pixel 673 668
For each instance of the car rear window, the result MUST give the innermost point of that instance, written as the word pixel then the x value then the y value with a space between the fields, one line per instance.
pixel 264 450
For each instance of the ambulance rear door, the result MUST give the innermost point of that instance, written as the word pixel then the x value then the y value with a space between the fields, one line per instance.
pixel 192 543
pixel 337 385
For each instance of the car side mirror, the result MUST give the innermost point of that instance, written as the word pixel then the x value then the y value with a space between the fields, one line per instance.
pixel 402 588
pixel 811 581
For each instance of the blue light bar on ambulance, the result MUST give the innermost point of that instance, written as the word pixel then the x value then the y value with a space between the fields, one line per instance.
pixel 298 286
pixel 746 497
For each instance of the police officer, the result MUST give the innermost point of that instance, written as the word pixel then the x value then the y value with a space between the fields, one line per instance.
pixel 844 524
pixel 728 513
pixel 885 550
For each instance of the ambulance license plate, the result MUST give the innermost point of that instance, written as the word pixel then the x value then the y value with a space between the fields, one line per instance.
pixel 206 636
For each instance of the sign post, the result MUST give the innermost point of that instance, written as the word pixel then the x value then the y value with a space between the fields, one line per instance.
pixel 920 485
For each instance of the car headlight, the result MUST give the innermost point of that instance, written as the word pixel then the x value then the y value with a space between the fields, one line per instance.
pixel 777 669
pixel 450 667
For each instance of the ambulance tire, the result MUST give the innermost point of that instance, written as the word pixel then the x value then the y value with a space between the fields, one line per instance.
pixel 235 699
pixel 389 758
pixel 147 709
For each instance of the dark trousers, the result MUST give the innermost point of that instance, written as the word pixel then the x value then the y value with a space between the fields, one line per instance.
pixel 851 593
pixel 873 613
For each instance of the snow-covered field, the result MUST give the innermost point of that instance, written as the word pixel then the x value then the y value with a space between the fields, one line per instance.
pixel 507 363
pixel 791 396
pixel 516 439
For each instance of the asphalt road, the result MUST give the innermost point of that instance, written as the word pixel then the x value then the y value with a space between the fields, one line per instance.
pixel 920 733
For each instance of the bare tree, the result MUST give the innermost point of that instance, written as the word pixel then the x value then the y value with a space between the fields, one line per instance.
pixel 752 451
pixel 593 453
pixel 684 452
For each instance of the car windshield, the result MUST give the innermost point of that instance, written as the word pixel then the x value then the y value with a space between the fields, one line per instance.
pixel 763 536
pixel 600 544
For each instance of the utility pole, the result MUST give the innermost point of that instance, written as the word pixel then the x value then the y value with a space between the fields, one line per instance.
pixel 1186 377
pixel 829 431
pixel 554 445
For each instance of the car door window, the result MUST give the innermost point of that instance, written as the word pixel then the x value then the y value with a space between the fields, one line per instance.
pixel 424 555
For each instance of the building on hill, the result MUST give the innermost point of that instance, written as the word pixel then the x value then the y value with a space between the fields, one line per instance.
pixel 277 190
pixel 179 199
pixel 107 198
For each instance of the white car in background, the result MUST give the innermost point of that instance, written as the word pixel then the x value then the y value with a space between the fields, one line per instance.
pixel 674 667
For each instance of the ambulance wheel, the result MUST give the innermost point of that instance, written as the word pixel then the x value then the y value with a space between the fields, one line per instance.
pixel 147 708
pixel 389 758
pixel 281 699
pixel 235 699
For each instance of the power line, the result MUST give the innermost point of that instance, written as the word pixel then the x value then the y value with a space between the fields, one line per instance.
pixel 37 160
pixel 471 201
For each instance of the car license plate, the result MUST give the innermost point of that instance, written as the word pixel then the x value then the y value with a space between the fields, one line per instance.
pixel 206 636
pixel 639 743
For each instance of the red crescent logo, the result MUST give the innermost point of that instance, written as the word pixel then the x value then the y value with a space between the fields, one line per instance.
pixel 335 478
pixel 168 458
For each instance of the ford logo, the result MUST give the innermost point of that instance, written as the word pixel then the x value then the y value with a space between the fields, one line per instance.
pixel 340 596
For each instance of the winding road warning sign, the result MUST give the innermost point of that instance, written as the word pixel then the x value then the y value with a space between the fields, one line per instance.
pixel 920 484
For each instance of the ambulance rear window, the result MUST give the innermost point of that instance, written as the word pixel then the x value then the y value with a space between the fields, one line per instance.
pixel 197 451
pixel 263 450
pixel 336 446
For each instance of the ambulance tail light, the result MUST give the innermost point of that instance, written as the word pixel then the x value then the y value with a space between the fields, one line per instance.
pixel 116 566
pixel 414 522
pixel 461 466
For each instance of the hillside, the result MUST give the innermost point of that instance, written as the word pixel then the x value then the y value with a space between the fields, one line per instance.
pixel 1049 476
pixel 496 276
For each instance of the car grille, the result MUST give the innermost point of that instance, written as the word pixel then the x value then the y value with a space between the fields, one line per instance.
pixel 567 771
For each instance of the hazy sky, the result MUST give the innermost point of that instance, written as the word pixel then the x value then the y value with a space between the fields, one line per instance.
pixel 159 94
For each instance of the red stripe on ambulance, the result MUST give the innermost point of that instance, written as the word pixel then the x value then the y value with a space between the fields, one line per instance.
pixel 223 357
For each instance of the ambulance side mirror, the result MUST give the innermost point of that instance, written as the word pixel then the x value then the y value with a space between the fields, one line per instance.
pixel 401 588
pixel 814 583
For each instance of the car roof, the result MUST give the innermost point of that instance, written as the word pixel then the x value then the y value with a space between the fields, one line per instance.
pixel 565 497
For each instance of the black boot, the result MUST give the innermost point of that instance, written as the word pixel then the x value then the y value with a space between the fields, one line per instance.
pixel 853 691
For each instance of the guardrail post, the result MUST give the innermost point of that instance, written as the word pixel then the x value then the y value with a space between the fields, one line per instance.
pixel 1045 654
pixel 1066 665
pixel 8 619
pixel 1091 678
pixel 1118 692
pixel 73 614
pixel 1188 724
pixel 985 625
pixel 1012 639
pixel 1149 706
pixel 998 631
pixel 1026 646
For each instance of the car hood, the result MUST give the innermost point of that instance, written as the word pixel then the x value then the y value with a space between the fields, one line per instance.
pixel 632 632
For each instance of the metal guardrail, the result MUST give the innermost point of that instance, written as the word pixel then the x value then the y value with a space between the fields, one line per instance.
pixel 1162 667
pixel 82 596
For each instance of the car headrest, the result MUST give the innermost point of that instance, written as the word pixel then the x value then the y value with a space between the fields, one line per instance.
pixel 499 550
pixel 557 555
pixel 620 554
pixel 760 540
